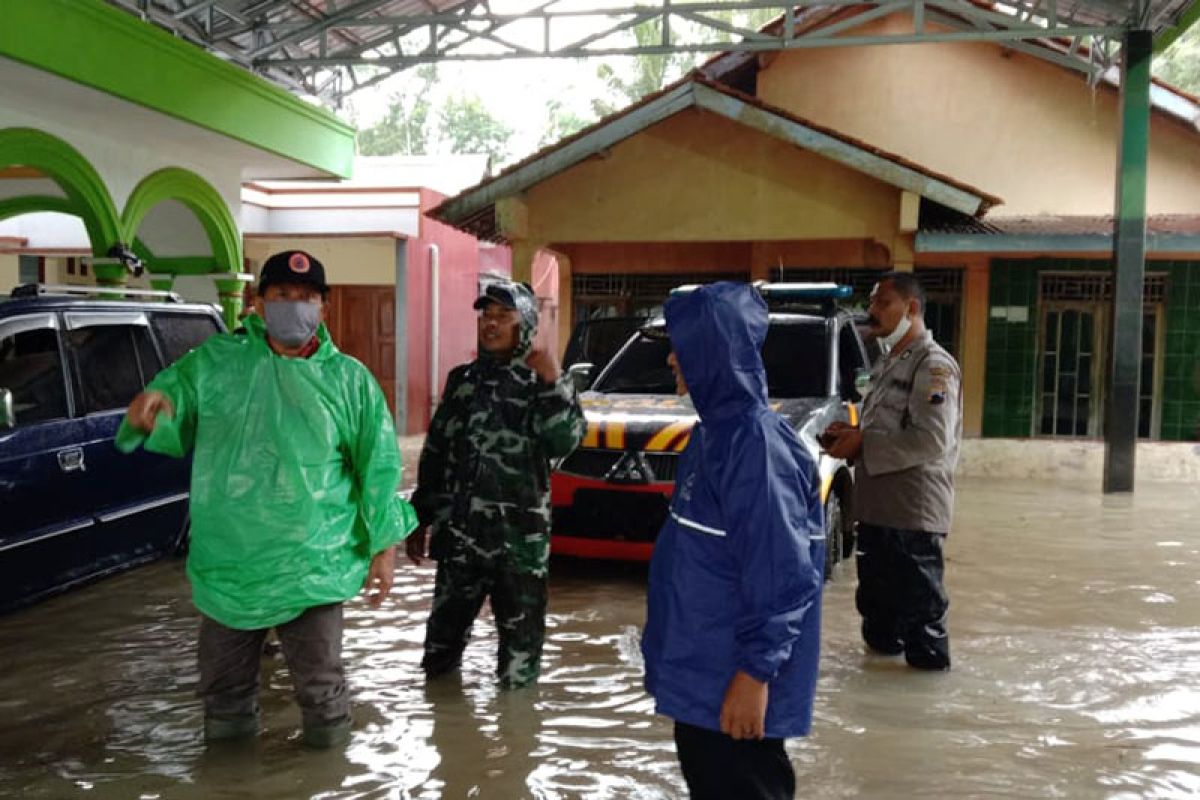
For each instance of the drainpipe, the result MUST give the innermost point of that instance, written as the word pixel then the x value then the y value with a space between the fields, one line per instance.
pixel 435 258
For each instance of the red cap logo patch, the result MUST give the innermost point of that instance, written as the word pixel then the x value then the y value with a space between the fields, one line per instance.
pixel 299 263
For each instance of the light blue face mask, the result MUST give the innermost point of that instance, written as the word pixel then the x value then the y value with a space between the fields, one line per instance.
pixel 291 323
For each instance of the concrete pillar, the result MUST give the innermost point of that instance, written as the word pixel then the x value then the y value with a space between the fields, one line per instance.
pixel 161 281
pixel 523 253
pixel 566 303
pixel 903 252
pixel 109 275
pixel 229 293
pixel 401 317
pixel 1129 255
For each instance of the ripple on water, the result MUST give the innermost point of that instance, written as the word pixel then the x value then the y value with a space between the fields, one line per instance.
pixel 1075 656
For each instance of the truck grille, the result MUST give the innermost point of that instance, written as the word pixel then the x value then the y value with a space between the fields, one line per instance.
pixel 608 514
pixel 597 464
pixel 590 463
pixel 664 465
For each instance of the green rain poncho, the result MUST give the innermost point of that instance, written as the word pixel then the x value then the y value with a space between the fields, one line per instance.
pixel 294 478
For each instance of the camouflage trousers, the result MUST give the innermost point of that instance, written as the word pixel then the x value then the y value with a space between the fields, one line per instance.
pixel 518 604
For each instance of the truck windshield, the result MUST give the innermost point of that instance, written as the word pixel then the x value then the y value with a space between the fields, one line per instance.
pixel 796 355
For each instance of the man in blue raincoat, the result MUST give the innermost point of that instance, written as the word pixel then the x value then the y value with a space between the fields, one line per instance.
pixel 733 612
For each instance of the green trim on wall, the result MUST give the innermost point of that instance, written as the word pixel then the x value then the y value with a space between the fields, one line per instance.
pixel 86 195
pixel 202 199
pixel 32 204
pixel 97 45
pixel 175 265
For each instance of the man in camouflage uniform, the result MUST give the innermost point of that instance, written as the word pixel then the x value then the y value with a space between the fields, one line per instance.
pixel 484 488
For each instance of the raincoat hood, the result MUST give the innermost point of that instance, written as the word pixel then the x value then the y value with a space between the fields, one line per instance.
pixel 717 332
pixel 526 307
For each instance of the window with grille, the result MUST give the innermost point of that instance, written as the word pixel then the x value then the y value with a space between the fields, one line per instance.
pixel 943 294
pixel 1073 352
pixel 625 294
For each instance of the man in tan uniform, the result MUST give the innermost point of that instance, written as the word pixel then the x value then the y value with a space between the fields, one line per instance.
pixel 905 452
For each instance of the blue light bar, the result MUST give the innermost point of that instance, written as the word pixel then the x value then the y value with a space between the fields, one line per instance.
pixel 805 291
pixel 795 292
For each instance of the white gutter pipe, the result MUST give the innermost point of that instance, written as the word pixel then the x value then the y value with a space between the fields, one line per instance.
pixel 435 259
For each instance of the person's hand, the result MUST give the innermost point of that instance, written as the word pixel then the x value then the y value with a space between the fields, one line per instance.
pixel 146 407
pixel 380 576
pixel 416 545
pixel 845 444
pixel 545 364
pixel 838 426
pixel 744 711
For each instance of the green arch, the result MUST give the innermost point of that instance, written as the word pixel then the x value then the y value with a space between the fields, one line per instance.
pixel 86 195
pixel 31 204
pixel 175 183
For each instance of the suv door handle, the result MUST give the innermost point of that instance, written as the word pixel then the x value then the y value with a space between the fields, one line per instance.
pixel 71 460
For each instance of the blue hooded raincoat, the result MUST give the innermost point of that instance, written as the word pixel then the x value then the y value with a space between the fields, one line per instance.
pixel 735 581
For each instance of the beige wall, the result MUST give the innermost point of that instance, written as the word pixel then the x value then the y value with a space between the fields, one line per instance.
pixel 347 261
pixel 700 177
pixel 1009 124
pixel 10 272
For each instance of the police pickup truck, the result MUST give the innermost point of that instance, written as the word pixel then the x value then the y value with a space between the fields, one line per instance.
pixel 611 495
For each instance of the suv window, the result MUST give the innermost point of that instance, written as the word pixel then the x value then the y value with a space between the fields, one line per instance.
pixel 795 355
pixel 180 333
pixel 112 364
pixel 31 368
pixel 850 361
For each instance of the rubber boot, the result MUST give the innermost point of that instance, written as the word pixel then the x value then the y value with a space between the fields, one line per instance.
pixel 222 729
pixel 323 737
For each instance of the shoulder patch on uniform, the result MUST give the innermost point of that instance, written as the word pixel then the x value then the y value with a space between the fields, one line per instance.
pixel 940 371
pixel 937 389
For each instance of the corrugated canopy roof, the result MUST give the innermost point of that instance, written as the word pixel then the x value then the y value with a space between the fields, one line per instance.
pixel 329 48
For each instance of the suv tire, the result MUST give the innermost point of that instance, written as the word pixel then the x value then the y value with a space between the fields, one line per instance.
pixel 835 527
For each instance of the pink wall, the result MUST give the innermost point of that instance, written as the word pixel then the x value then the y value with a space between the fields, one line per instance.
pixel 460 265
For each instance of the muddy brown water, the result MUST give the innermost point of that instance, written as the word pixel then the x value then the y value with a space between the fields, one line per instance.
pixel 1075 623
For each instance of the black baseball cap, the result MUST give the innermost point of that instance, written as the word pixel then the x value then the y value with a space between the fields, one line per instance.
pixel 502 293
pixel 293 266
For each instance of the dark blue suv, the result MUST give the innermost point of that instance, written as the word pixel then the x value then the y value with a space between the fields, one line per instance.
pixel 72 508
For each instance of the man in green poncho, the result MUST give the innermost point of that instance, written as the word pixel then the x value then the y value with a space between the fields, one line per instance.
pixel 293 497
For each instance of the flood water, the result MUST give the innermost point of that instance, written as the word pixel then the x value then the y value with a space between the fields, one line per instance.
pixel 1075 626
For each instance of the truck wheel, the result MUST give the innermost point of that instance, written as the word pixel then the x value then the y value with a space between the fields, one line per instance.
pixel 834 530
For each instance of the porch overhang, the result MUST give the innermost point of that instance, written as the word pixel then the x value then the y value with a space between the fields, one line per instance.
pixel 1165 234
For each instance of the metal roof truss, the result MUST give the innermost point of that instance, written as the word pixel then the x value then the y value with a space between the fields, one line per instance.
pixel 330 48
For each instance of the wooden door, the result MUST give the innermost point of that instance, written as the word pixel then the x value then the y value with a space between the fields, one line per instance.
pixel 362 322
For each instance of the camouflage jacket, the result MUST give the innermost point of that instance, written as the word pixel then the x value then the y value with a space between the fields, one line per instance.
pixel 484 477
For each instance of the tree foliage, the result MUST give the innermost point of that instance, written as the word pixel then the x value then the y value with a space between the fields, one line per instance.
pixel 1180 63
pixel 466 126
pixel 650 73
pixel 404 128
pixel 561 122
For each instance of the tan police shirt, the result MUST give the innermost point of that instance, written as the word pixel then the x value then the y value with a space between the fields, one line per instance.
pixel 911 427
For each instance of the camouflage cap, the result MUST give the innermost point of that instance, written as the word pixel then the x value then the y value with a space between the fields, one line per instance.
pixel 519 297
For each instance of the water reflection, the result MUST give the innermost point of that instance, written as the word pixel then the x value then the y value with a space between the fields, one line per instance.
pixel 1076 675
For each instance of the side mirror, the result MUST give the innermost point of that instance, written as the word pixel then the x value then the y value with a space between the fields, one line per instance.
pixel 581 375
pixel 8 418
